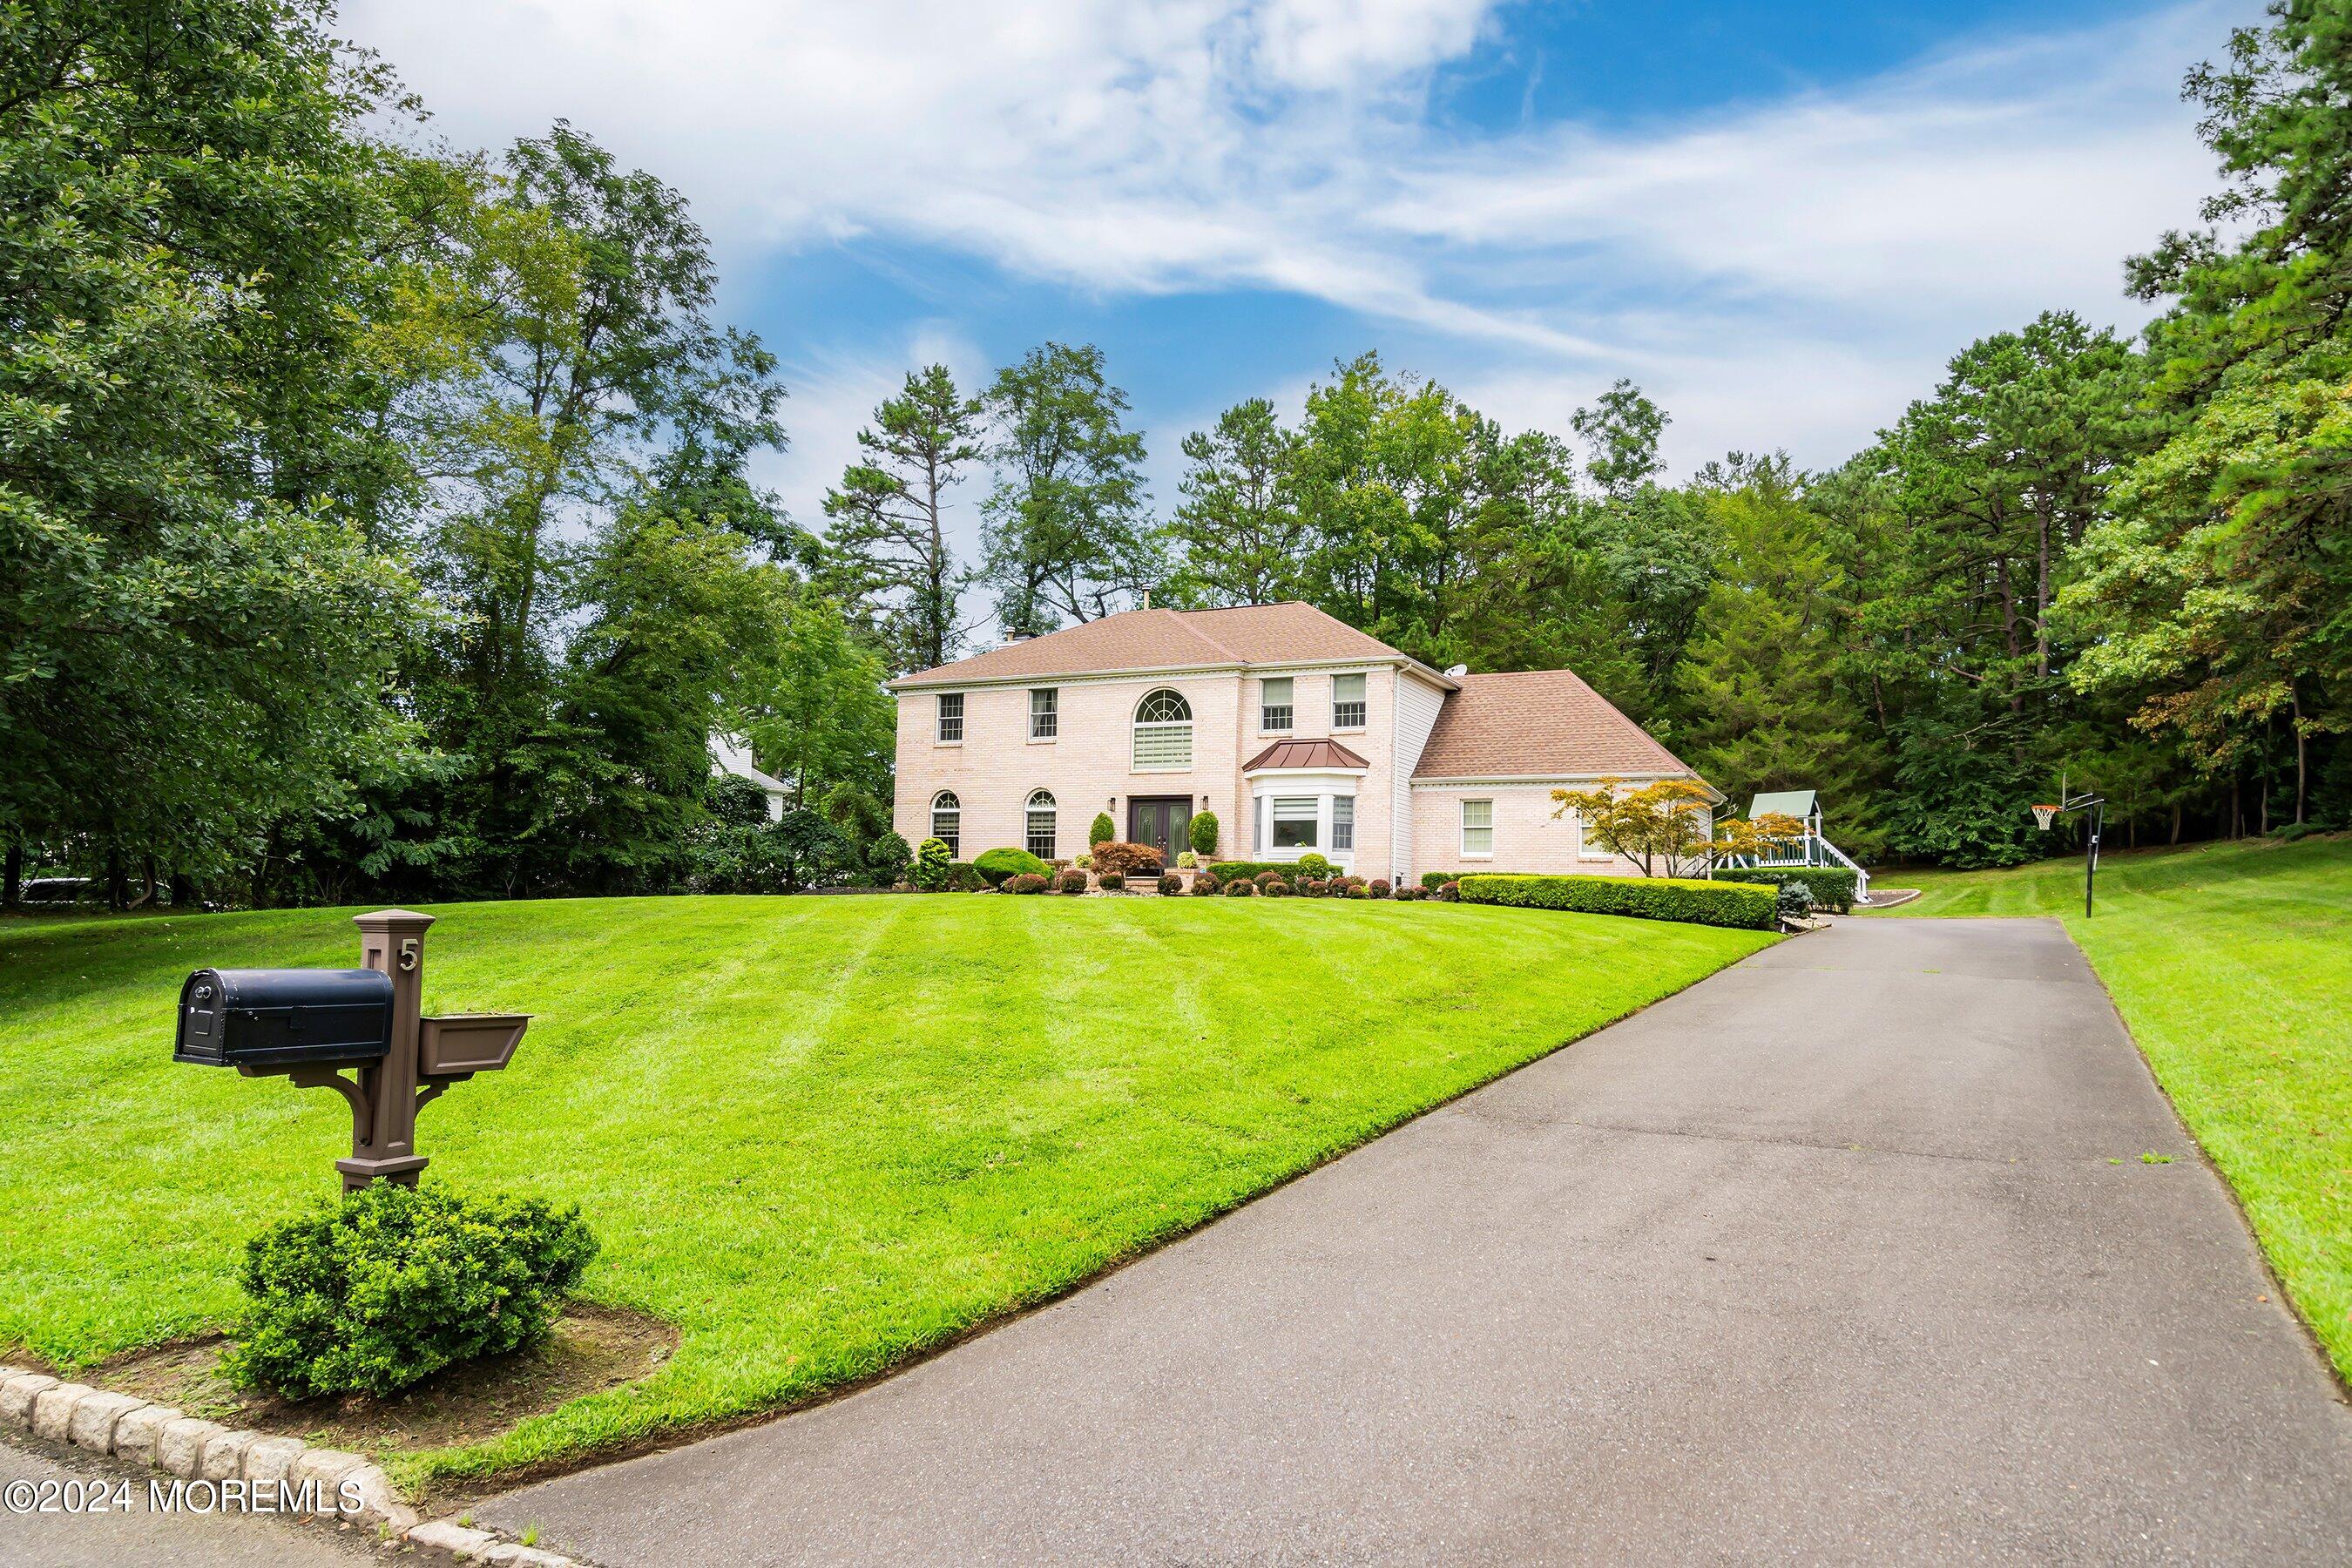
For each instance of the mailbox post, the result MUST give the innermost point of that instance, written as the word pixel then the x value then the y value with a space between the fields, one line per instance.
pixel 392 942
pixel 310 1024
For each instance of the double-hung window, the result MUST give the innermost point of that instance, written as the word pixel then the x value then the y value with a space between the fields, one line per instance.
pixel 1040 825
pixel 947 821
pixel 1294 822
pixel 1478 828
pixel 1044 713
pixel 1273 703
pixel 951 717
pixel 1343 822
pixel 1346 703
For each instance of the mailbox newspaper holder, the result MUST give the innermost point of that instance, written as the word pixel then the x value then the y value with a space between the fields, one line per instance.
pixel 310 1024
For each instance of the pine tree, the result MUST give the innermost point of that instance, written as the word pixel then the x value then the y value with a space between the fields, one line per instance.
pixel 888 537
pixel 1239 525
pixel 1760 685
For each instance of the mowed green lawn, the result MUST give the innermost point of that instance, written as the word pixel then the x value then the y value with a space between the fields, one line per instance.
pixel 2232 965
pixel 818 1134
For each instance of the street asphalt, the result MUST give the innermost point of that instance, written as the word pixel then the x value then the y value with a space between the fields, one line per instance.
pixel 1847 1253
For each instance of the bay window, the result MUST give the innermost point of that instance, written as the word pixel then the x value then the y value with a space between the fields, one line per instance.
pixel 1295 821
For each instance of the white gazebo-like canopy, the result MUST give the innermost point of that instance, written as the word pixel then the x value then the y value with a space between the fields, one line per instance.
pixel 1813 849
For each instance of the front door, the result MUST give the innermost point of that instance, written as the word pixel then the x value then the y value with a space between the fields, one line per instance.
pixel 1161 821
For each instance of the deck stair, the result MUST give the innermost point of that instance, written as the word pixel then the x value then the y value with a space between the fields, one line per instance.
pixel 1813 849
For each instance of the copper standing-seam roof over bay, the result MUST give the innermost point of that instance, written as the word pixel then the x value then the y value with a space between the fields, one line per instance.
pixel 1170 640
pixel 1539 723
pixel 1304 754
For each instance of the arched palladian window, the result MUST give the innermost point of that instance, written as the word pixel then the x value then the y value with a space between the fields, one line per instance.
pixel 947 822
pixel 1164 732
pixel 1040 824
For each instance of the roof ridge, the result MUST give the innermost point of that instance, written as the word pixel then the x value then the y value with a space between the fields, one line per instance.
pixel 1194 631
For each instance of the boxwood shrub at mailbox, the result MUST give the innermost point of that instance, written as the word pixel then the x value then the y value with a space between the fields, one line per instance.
pixel 393 1283
pixel 1645 897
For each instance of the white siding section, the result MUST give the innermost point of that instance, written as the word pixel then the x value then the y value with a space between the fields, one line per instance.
pixel 1417 705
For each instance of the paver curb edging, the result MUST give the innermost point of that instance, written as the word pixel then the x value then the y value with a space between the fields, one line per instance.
pixel 153 1437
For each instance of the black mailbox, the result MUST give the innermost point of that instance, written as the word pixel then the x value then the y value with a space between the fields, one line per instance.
pixel 284 1017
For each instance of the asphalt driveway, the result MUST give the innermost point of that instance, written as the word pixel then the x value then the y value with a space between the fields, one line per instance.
pixel 1849 1252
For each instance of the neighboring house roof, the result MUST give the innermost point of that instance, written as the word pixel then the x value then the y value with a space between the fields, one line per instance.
pixel 1796 803
pixel 1304 754
pixel 1290 633
pixel 727 757
pixel 1539 723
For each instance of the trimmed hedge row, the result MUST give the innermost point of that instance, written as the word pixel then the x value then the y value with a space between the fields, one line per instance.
pixel 1832 887
pixel 1434 880
pixel 1226 870
pixel 1643 898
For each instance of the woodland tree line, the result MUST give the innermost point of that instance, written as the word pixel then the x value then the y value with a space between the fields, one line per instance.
pixel 375 520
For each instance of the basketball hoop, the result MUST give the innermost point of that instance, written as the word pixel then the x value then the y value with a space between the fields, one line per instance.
pixel 2045 815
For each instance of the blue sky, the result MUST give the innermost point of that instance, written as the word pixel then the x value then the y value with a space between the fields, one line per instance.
pixel 1780 218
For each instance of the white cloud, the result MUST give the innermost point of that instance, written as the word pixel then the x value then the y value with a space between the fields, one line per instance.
pixel 1792 264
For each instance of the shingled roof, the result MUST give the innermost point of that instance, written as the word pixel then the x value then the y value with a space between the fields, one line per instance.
pixel 1539 723
pixel 1289 633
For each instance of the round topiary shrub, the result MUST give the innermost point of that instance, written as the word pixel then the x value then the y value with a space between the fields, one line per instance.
pixel 1171 884
pixel 1241 887
pixel 390 1284
pixel 1449 892
pixel 1313 886
pixel 1071 882
pixel 1027 884
pixel 1410 895
pixel 1358 891
pixel 1276 888
pixel 1112 882
pixel 1100 830
pixel 1203 834
pixel 1264 879
pixel 1313 865
pixel 1204 887
pixel 1380 885
pixel 999 866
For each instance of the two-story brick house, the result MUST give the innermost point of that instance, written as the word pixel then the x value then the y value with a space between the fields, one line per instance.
pixel 1300 732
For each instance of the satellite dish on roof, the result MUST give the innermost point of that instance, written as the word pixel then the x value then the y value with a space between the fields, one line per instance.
pixel 1453 669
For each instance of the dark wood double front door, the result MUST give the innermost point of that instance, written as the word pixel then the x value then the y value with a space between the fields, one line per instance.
pixel 1161 821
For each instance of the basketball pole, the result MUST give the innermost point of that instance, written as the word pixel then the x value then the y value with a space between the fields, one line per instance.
pixel 2091 861
pixel 2095 803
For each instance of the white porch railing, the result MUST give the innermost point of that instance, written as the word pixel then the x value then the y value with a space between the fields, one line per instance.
pixel 1811 850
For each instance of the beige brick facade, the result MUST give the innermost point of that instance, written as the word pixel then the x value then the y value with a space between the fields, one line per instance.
pixel 1424 744
pixel 1088 766
pixel 1526 835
